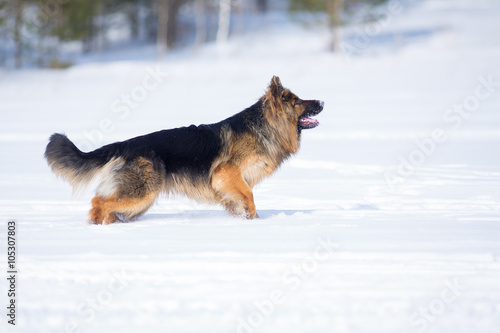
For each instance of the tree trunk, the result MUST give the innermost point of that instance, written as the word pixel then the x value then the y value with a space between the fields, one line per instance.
pixel 201 22
pixel 100 29
pixel 335 8
pixel 262 6
pixel 224 21
pixel 58 23
pixel 132 12
pixel 173 10
pixel 161 35
pixel 18 42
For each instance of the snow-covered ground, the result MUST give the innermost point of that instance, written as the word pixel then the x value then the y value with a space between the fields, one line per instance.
pixel 387 220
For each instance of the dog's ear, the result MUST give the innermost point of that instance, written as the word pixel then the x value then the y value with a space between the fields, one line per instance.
pixel 276 87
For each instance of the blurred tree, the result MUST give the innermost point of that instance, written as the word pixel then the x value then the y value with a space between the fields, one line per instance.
pixel 135 12
pixel 167 26
pixel 200 13
pixel 78 21
pixel 162 28
pixel 173 22
pixel 36 30
pixel 334 10
pixel 131 8
pixel 224 21
pixel 23 25
pixel 18 41
pixel 3 32
pixel 262 5
pixel 3 15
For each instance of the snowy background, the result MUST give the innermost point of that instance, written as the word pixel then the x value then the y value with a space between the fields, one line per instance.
pixel 387 220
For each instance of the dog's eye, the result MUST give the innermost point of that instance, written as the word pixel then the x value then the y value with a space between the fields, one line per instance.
pixel 297 102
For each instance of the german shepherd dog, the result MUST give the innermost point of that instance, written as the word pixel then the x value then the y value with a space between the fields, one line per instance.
pixel 216 163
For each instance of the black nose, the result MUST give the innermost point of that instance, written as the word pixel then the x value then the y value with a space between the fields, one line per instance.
pixel 319 105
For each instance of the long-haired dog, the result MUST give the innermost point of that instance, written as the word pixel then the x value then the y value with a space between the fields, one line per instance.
pixel 216 163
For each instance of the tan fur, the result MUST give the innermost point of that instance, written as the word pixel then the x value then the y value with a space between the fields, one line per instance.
pixel 233 191
pixel 105 210
pixel 201 191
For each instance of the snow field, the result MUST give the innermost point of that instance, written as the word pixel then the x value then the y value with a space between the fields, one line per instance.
pixel 387 220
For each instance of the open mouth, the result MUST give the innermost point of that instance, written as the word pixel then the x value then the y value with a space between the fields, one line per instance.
pixel 306 121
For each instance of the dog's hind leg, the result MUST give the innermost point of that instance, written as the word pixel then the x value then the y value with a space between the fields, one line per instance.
pixel 102 211
pixel 106 210
pixel 234 192
pixel 128 190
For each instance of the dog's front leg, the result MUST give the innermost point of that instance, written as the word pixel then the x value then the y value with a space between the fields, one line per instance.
pixel 233 190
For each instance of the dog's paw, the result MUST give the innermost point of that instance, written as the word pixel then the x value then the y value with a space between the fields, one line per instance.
pixel 251 214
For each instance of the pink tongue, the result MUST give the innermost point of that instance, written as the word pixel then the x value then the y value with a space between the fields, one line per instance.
pixel 308 121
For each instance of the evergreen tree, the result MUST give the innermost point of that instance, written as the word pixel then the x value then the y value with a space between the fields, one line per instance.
pixel 335 9
pixel 78 21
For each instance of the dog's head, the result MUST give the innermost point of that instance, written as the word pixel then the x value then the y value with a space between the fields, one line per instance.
pixel 286 105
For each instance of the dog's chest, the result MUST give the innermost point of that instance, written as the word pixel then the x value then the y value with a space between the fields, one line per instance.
pixel 255 169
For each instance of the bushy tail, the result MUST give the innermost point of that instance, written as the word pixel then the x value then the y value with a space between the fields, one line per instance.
pixel 73 165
